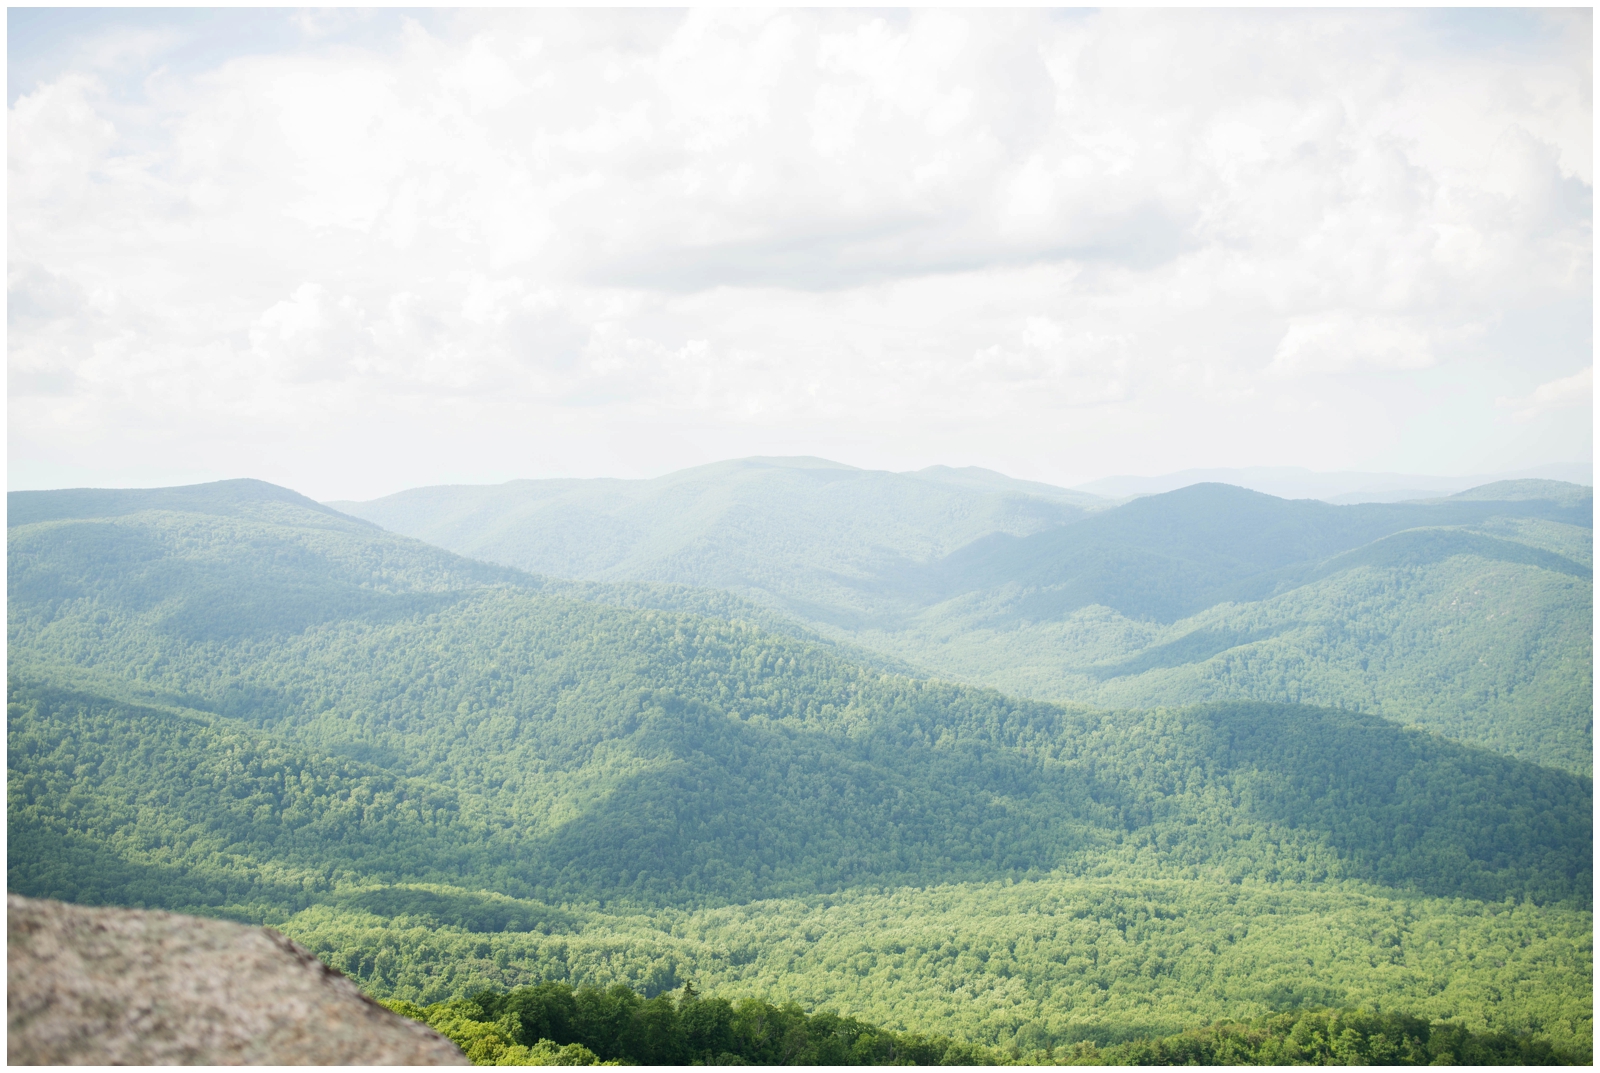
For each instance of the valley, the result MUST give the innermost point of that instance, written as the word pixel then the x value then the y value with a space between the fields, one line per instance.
pixel 1027 769
pixel 1469 616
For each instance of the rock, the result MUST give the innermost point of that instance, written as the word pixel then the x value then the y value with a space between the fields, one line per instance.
pixel 135 987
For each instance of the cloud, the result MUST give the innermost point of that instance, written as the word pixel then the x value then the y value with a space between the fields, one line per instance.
pixel 1336 342
pixel 1012 237
pixel 1569 392
pixel 36 296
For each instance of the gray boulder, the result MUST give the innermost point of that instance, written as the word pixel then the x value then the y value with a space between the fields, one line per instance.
pixel 93 986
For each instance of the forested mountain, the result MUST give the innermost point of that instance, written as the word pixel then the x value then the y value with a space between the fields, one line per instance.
pixel 799 531
pixel 1161 558
pixel 441 774
pixel 1469 616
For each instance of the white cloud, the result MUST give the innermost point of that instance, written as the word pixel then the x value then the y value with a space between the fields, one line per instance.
pixel 1568 392
pixel 311 336
pixel 1059 244
pixel 1336 342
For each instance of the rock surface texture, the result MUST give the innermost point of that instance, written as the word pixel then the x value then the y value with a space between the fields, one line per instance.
pixel 88 986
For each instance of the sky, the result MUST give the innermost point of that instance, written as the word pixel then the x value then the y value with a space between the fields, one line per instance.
pixel 353 252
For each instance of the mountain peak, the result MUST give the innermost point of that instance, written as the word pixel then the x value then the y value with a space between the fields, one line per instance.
pixel 215 497
pixel 1562 492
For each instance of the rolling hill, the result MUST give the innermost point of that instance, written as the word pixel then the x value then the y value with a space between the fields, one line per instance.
pixel 795 532
pixel 1469 616
pixel 440 773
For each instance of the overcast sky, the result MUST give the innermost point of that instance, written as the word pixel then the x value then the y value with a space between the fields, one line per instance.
pixel 358 252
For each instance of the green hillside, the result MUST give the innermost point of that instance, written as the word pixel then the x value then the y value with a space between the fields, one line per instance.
pixel 1469 616
pixel 799 531
pixel 1424 627
pixel 261 708
pixel 1037 962
pixel 553 1023
pixel 1161 558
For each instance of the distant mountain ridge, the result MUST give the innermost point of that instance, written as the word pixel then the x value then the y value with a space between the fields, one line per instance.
pixel 652 755
pixel 971 576
pixel 442 774
pixel 1338 487
pixel 215 497
pixel 1167 556
pixel 792 528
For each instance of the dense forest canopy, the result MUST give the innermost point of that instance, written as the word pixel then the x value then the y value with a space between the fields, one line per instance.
pixel 445 776
pixel 553 1024
pixel 1470 616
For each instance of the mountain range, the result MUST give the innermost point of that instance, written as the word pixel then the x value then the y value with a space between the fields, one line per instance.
pixel 1349 486
pixel 1468 615
pixel 706 730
